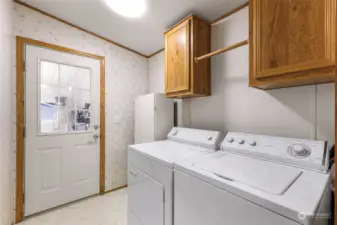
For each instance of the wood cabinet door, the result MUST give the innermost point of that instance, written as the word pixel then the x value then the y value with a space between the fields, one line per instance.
pixel 291 36
pixel 177 57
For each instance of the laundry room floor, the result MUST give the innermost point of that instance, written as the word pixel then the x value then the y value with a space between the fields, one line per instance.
pixel 108 209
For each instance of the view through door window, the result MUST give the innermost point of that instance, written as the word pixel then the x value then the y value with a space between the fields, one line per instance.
pixel 64 98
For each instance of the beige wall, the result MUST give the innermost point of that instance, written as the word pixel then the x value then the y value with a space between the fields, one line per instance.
pixel 303 112
pixel 156 73
pixel 6 99
pixel 126 78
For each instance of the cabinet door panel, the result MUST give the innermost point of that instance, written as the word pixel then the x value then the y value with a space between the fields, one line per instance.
pixel 177 45
pixel 292 36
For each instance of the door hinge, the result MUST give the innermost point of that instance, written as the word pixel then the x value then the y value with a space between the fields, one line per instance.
pixel 23 198
pixel 24 66
pixel 24 132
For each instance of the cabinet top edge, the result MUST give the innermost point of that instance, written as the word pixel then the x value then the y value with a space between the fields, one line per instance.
pixel 189 17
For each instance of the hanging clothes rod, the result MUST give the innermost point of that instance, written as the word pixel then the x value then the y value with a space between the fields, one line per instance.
pixel 222 50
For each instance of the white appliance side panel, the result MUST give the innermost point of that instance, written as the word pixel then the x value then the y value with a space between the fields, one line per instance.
pixel 160 173
pixel 324 209
pixel 145 199
pixel 199 203
pixel 164 116
pixel 144 119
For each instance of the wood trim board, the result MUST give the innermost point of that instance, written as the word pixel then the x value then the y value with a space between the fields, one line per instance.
pixel 229 13
pixel 116 189
pixel 157 52
pixel 20 116
pixel 111 41
pixel 84 30
pixel 335 157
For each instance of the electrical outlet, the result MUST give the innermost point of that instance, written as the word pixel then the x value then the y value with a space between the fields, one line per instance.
pixel 117 119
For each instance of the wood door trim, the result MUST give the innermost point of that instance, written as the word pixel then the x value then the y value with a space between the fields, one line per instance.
pixel 335 95
pixel 20 116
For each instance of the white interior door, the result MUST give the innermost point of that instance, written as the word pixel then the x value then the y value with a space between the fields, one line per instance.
pixel 62 114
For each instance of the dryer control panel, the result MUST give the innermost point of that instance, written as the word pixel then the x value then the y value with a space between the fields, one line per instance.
pixel 203 138
pixel 306 154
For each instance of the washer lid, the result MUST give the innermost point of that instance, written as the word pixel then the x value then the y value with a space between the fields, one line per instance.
pixel 270 177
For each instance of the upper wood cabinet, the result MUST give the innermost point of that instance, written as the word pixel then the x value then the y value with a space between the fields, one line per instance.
pixel 292 42
pixel 185 41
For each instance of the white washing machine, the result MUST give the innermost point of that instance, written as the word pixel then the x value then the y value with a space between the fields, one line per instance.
pixel 150 173
pixel 254 180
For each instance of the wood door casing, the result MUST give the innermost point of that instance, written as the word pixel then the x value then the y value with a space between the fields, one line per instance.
pixel 177 45
pixel 291 42
pixel 20 125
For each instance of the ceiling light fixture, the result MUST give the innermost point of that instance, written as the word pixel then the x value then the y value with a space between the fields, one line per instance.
pixel 128 8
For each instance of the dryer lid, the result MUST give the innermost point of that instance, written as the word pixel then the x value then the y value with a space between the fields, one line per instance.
pixel 269 177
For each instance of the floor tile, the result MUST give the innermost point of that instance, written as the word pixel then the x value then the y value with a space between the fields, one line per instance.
pixel 109 209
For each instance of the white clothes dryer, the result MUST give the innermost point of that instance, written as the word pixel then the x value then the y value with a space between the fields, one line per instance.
pixel 150 173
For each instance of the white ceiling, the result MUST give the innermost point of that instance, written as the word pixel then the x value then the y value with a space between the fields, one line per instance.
pixel 144 35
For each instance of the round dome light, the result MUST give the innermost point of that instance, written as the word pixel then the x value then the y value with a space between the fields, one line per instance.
pixel 128 8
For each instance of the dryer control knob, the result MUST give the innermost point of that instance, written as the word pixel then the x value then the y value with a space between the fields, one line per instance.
pixel 230 140
pixel 252 143
pixel 241 142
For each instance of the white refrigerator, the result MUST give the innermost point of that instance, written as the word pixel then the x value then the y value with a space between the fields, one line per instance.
pixel 154 117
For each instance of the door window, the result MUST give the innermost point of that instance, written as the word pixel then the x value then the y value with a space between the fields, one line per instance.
pixel 64 99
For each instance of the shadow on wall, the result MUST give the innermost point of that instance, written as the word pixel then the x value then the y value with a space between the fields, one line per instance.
pixel 234 106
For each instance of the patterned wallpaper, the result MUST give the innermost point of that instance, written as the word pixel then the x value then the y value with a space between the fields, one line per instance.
pixel 156 80
pixel 126 78
pixel 6 99
pixel 156 73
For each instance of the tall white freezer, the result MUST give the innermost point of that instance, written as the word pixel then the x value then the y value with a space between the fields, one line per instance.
pixel 154 117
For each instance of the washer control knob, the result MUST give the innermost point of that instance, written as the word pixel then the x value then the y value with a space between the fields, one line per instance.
pixel 230 140
pixel 252 143
pixel 241 142
pixel 174 133
pixel 299 150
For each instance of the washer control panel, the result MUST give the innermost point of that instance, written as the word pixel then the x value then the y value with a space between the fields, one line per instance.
pixel 306 154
